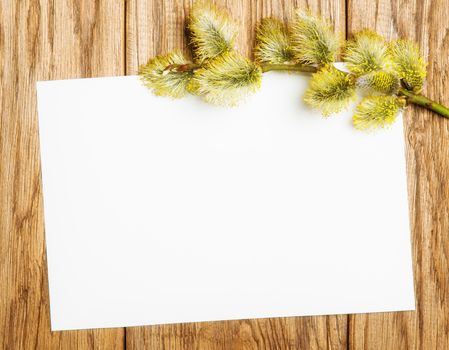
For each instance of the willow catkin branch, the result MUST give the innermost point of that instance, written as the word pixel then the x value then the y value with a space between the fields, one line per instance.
pixel 393 73
pixel 425 102
pixel 411 97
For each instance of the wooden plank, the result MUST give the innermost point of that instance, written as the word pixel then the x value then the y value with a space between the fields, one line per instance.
pixel 427 138
pixel 274 333
pixel 156 27
pixel 41 40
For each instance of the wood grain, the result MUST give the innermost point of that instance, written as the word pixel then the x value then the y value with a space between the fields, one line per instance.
pixel 41 40
pixel 57 39
pixel 153 28
pixel 427 138
pixel 275 333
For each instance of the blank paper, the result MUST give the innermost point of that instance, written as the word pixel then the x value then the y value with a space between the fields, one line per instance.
pixel 167 211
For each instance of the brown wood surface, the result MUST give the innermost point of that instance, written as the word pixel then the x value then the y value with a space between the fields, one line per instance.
pixel 425 21
pixel 42 40
pixel 58 39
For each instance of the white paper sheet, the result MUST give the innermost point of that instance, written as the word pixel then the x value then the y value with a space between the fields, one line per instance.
pixel 165 211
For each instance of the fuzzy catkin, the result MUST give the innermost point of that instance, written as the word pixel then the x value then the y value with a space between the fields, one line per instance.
pixel 380 81
pixel 367 53
pixel 376 112
pixel 163 81
pixel 409 64
pixel 313 40
pixel 212 31
pixel 272 42
pixel 330 91
pixel 227 79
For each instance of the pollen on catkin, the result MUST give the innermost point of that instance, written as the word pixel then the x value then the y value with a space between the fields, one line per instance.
pixel 212 31
pixel 313 40
pixel 380 81
pixel 272 42
pixel 376 112
pixel 227 79
pixel 330 91
pixel 366 53
pixel 408 63
pixel 163 81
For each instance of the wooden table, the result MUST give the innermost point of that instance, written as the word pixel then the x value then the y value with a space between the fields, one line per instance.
pixel 60 39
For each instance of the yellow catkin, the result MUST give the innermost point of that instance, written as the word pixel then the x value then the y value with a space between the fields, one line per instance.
pixel 367 53
pixel 227 79
pixel 313 40
pixel 163 81
pixel 409 64
pixel 376 112
pixel 330 91
pixel 272 42
pixel 380 81
pixel 212 31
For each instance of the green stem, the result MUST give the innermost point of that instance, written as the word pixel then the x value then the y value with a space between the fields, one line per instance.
pixel 187 67
pixel 416 99
pixel 266 67
pixel 423 101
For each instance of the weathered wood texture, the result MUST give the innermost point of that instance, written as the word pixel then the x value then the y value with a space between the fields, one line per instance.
pixel 427 135
pixel 56 39
pixel 42 40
